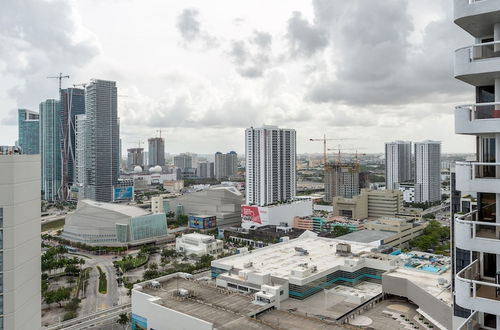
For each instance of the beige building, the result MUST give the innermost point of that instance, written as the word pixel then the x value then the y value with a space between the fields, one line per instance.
pixel 392 232
pixel 369 204
pixel 173 186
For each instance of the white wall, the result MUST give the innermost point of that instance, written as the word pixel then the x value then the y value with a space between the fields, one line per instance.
pixel 162 318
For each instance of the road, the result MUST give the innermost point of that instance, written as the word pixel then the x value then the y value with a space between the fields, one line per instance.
pixel 95 301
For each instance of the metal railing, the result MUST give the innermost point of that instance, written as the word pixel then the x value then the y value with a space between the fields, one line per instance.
pixel 472 322
pixel 481 110
pixel 481 170
pixel 478 288
pixel 482 51
pixel 480 229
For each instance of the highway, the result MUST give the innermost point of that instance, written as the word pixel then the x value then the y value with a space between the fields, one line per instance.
pixel 92 320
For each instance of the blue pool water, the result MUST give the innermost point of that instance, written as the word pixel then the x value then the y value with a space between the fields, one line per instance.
pixel 431 269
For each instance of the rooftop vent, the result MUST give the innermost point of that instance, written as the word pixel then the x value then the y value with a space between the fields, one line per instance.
pixel 343 249
pixel 300 251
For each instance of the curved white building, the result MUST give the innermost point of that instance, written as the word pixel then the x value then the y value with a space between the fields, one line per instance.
pixel 105 224
pixel 476 236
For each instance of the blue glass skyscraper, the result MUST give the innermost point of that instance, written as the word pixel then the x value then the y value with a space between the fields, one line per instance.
pixel 72 105
pixel 29 130
pixel 50 150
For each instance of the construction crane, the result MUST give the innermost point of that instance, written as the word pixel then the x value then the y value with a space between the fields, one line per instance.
pixel 82 85
pixel 60 77
pixel 159 131
pixel 324 139
pixel 340 148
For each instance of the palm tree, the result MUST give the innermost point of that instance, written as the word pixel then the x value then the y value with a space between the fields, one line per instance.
pixel 123 320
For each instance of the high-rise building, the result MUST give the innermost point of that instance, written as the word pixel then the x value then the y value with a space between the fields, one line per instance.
pixel 476 235
pixel 156 152
pixel 270 165
pixel 50 150
pixel 427 171
pixel 183 161
pixel 205 169
pixel 29 131
pixel 102 142
pixel 80 137
pixel 20 266
pixel 397 163
pixel 341 179
pixel 135 157
pixel 226 165
pixel 72 105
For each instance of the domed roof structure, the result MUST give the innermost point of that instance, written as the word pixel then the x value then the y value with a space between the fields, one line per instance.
pixel 137 169
pixel 155 169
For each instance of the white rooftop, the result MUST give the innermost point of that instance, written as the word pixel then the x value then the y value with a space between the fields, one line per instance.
pixel 280 259
pixel 427 281
pixel 130 211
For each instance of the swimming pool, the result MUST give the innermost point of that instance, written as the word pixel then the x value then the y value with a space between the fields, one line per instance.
pixel 431 269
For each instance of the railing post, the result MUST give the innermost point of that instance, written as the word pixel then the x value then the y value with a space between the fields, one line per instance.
pixel 473 290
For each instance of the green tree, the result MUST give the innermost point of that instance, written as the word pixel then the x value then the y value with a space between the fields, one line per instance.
pixel 340 231
pixel 123 320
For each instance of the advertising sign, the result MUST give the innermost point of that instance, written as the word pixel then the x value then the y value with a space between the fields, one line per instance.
pixel 123 193
pixel 250 213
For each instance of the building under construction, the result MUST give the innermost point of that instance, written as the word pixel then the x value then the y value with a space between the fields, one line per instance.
pixel 341 179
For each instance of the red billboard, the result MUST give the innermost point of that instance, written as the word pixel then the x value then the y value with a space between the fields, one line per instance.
pixel 250 213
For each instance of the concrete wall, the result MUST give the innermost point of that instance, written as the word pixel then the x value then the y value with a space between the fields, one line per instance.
pixel 436 308
pixel 20 201
pixel 160 317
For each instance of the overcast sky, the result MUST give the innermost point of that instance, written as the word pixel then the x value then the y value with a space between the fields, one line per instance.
pixel 203 71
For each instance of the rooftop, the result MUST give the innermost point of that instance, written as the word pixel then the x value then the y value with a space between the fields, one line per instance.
pixel 366 236
pixel 225 309
pixel 280 259
pixel 130 211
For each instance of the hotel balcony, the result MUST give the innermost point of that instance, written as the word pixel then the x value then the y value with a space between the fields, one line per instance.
pixel 477 17
pixel 478 65
pixel 476 292
pixel 481 118
pixel 472 322
pixel 473 235
pixel 477 176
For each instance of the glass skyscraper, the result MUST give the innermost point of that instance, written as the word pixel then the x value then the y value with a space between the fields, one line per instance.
pixel 29 130
pixel 102 140
pixel 50 150
pixel 72 105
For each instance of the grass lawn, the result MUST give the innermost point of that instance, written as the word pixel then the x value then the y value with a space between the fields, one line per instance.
pixel 54 225
pixel 103 282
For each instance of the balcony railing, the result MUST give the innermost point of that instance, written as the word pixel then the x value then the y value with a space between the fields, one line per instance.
pixel 481 229
pixel 479 287
pixel 482 51
pixel 481 110
pixel 472 322
pixel 481 170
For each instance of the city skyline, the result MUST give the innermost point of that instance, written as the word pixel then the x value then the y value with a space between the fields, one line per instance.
pixel 272 71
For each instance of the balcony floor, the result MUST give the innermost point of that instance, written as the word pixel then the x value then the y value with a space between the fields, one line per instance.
pixel 487 292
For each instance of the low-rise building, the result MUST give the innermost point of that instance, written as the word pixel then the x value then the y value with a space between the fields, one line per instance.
pixel 280 214
pixel 408 190
pixel 174 186
pixel 223 202
pixel 319 224
pixel 370 203
pixel 388 232
pixel 107 224
pixel 261 236
pixel 199 244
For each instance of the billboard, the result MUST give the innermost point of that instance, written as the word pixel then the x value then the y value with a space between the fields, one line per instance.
pixel 251 214
pixel 202 222
pixel 123 193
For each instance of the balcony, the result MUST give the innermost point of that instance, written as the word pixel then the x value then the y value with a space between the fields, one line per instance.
pixel 474 235
pixel 477 17
pixel 472 322
pixel 478 177
pixel 481 118
pixel 479 64
pixel 475 292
